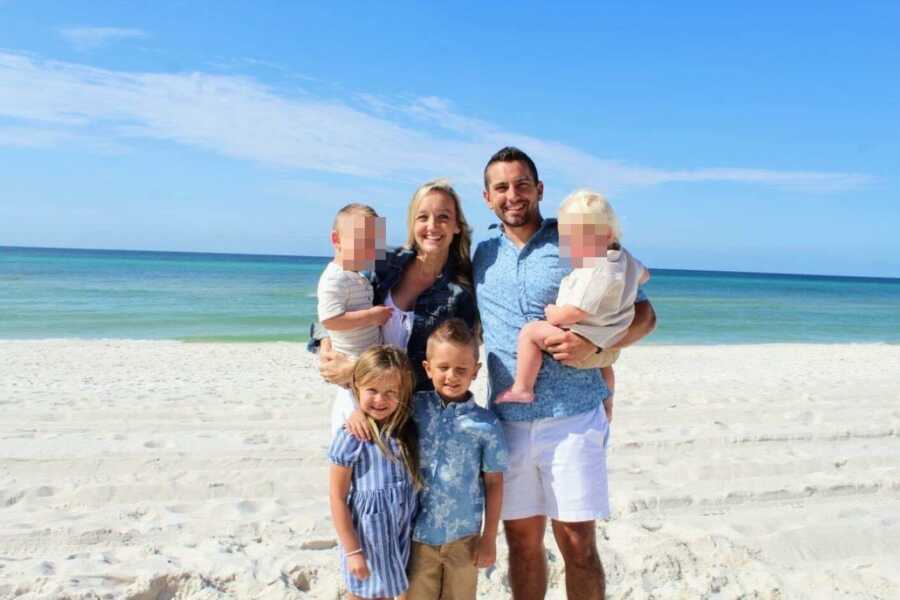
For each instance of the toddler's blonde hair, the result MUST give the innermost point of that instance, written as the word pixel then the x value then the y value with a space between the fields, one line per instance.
pixel 585 206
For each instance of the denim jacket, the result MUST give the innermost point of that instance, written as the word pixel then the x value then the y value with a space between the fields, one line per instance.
pixel 445 299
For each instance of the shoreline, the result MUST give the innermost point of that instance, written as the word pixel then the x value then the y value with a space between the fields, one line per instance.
pixel 140 468
pixel 227 342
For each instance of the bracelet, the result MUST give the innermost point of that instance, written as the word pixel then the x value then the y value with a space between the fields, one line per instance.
pixel 599 350
pixel 357 551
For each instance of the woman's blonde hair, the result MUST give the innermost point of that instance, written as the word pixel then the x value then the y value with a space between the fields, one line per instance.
pixel 462 241
pixel 381 361
pixel 588 207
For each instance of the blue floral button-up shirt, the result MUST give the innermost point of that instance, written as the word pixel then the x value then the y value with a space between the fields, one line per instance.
pixel 513 286
pixel 457 442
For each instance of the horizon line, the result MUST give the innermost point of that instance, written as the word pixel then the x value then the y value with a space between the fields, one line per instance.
pixel 269 255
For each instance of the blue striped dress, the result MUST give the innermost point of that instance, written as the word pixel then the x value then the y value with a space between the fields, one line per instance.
pixel 382 501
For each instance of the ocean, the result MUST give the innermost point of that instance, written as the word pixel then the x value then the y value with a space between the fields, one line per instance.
pixel 64 293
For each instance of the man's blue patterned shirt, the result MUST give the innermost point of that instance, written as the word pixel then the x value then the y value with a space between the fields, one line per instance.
pixel 513 286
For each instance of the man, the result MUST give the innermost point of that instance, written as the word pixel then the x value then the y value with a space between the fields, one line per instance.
pixel 557 443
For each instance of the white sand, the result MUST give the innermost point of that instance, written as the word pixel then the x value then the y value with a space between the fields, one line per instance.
pixel 166 470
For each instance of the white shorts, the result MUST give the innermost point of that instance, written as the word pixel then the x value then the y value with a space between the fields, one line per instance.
pixel 557 468
pixel 342 407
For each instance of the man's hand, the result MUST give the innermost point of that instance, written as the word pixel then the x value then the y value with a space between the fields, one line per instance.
pixel 334 367
pixel 380 314
pixel 356 564
pixel 358 425
pixel 485 552
pixel 569 348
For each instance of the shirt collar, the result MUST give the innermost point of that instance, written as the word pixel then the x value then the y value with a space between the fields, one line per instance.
pixel 458 406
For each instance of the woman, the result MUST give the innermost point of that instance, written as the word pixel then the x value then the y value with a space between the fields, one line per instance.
pixel 427 281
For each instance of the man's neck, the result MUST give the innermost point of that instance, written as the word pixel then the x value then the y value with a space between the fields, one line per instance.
pixel 520 235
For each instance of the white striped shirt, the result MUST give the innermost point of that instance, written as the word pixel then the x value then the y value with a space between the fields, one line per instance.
pixel 343 291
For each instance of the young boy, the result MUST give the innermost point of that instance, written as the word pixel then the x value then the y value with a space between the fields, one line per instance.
pixel 462 456
pixel 345 296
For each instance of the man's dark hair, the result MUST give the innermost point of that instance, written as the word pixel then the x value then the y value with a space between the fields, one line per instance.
pixel 511 154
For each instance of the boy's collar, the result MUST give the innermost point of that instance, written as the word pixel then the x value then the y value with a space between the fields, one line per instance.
pixel 459 402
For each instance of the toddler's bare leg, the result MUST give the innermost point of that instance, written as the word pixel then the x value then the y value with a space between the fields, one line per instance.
pixel 528 360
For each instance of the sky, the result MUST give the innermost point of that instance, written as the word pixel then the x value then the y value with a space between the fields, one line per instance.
pixel 728 136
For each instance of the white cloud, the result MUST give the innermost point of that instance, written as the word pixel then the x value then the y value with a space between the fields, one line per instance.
pixel 89 38
pixel 379 139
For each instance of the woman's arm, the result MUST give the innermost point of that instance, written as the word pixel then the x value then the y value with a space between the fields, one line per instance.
pixel 338 487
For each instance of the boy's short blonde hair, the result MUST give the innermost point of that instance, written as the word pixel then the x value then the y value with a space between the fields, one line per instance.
pixel 352 209
pixel 588 207
pixel 453 331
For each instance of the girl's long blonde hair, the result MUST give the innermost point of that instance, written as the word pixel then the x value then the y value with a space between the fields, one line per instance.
pixel 461 245
pixel 377 362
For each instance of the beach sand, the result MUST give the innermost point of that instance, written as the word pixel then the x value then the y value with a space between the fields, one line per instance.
pixel 153 470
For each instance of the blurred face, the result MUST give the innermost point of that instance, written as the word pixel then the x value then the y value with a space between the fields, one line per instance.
pixel 379 396
pixel 451 368
pixel 356 241
pixel 435 222
pixel 513 194
pixel 579 241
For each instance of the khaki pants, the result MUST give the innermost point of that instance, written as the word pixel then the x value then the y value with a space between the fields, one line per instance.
pixel 443 572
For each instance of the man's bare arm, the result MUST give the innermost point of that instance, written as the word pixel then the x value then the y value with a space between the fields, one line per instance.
pixel 570 348
pixel 643 324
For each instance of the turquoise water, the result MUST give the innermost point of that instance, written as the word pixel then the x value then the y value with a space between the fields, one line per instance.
pixel 58 293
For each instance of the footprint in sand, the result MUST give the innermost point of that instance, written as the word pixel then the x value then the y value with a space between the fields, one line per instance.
pixel 257 439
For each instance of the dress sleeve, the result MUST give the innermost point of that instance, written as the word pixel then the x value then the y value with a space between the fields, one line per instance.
pixel 494 455
pixel 345 449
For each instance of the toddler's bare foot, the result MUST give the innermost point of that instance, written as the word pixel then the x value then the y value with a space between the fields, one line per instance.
pixel 515 394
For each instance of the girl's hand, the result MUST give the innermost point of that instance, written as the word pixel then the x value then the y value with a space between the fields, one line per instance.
pixel 485 552
pixel 356 564
pixel 358 425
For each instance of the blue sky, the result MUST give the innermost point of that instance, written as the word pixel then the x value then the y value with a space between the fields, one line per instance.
pixel 756 137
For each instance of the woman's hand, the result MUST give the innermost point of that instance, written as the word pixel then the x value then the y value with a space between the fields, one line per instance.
pixel 356 564
pixel 334 367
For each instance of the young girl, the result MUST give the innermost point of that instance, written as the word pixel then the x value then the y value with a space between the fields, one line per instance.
pixel 595 300
pixel 373 484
